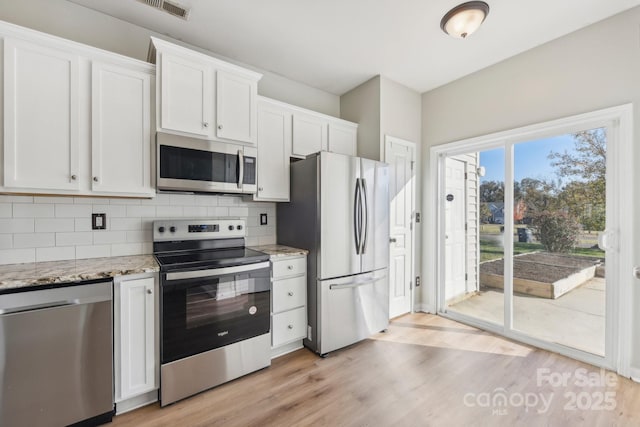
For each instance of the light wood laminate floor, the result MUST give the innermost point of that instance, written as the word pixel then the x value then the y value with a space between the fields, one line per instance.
pixel 425 371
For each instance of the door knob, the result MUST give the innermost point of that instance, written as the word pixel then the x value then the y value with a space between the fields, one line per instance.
pixel 74 177
pixel 205 125
pixel 149 291
pixel 220 127
pixel 95 179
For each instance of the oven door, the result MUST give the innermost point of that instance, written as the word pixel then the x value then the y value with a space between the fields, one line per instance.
pixel 206 309
pixel 188 164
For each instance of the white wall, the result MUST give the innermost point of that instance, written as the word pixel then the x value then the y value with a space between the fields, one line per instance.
pixel 362 105
pixel 591 69
pixel 57 228
pixel 83 25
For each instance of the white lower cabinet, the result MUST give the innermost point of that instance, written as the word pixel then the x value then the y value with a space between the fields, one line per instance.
pixel 288 304
pixel 136 361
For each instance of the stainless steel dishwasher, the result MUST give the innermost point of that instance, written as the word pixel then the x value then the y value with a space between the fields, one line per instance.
pixel 56 356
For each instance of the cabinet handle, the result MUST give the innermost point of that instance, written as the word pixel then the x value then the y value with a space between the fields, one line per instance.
pixel 290 293
pixel 290 267
pixel 220 127
pixel 149 291
pixel 290 326
pixel 95 179
pixel 205 125
pixel 74 177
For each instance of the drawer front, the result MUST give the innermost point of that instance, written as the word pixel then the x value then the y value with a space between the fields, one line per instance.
pixel 289 326
pixel 289 293
pixel 289 267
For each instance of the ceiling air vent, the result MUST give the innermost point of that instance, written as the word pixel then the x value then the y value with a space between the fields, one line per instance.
pixel 168 6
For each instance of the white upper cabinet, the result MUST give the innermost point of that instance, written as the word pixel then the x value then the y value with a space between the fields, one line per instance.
pixel 236 107
pixel 343 138
pixel 309 134
pixel 186 95
pixel 274 149
pixel 195 89
pixel 41 101
pixel 77 120
pixel 121 130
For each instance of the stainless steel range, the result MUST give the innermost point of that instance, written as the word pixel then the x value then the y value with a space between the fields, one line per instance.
pixel 215 305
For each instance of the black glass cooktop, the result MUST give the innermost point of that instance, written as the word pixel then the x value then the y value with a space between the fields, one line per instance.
pixel 214 258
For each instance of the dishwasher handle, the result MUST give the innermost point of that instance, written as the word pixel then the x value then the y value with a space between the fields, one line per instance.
pixel 35 307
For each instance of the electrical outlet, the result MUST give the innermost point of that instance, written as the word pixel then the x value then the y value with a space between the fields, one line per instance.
pixel 263 219
pixel 98 221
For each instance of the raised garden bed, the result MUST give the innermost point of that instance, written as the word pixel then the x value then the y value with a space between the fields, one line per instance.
pixel 541 274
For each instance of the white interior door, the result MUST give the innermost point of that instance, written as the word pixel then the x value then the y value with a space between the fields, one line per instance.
pixel 400 155
pixel 455 234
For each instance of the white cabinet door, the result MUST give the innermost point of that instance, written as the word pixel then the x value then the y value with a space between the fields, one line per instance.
pixel 136 344
pixel 343 139
pixel 41 97
pixel 274 146
pixel 309 134
pixel 236 107
pixel 121 137
pixel 186 94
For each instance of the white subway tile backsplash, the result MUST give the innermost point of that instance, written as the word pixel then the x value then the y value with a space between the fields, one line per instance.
pixel 73 211
pixel 119 224
pixel 32 210
pixel 6 210
pixel 182 199
pixel 34 240
pixel 6 241
pixel 17 256
pixel 169 211
pixel 195 211
pixel 16 199
pixel 141 211
pixel 125 249
pixel 67 234
pixel 47 225
pixel 76 238
pixel 103 237
pixel 55 254
pixel 218 212
pixel 94 251
pixel 17 225
pixel 84 224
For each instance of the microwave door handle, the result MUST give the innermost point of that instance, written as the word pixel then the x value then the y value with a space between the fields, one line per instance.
pixel 241 168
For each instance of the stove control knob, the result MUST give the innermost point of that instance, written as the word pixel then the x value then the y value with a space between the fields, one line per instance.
pixel 161 229
pixel 239 227
pixel 231 228
pixel 172 229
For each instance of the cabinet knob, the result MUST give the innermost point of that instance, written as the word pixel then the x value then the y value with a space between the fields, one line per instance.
pixel 260 188
pixel 205 124
pixel 95 179
pixel 290 326
pixel 290 293
pixel 290 267
pixel 220 127
pixel 74 177
pixel 149 291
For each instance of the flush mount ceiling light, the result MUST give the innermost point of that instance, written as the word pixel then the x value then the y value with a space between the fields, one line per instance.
pixel 464 19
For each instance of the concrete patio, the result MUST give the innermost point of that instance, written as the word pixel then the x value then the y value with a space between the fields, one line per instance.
pixel 576 319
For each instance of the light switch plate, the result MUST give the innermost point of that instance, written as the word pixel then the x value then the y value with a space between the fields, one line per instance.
pixel 263 219
pixel 98 221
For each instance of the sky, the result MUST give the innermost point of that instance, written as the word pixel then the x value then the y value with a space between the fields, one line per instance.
pixel 530 159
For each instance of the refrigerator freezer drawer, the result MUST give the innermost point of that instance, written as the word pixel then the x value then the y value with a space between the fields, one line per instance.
pixel 352 309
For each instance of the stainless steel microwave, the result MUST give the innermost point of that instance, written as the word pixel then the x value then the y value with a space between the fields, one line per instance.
pixel 197 165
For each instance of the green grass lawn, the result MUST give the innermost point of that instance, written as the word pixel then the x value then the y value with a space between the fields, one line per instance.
pixel 490 249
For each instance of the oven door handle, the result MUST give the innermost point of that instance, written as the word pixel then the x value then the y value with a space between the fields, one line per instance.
pixel 181 275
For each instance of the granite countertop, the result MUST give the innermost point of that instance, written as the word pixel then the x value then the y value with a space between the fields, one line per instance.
pixel 280 251
pixel 46 273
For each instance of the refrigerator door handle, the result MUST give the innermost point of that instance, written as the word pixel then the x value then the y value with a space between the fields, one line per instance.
pixel 357 283
pixel 363 183
pixel 356 210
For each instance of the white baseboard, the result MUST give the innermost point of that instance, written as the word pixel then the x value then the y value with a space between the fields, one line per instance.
pixel 635 374
pixel 287 348
pixel 424 308
pixel 136 402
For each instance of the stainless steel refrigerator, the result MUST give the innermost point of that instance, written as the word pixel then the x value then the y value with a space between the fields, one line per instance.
pixel 339 211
